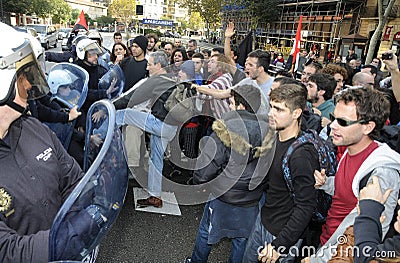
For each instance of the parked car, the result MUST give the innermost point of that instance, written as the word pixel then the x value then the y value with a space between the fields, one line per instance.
pixel 63 33
pixel 104 29
pixel 168 34
pixel 28 30
pixel 47 33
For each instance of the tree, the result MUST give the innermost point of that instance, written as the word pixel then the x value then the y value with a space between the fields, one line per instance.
pixel 208 9
pixel 124 9
pixel 105 20
pixel 195 21
pixel 74 16
pixel 62 12
pixel 42 8
pixel 383 13
pixel 259 10
pixel 20 6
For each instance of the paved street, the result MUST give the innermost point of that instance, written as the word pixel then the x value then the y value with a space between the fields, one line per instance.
pixel 149 237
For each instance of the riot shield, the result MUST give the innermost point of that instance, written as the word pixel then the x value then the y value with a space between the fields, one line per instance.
pixel 104 59
pixel 113 81
pixel 70 88
pixel 93 206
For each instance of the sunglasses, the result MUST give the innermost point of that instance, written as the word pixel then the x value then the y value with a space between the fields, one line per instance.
pixel 343 122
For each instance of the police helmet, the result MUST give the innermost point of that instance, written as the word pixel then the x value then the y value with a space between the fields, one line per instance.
pixel 18 63
pixel 58 78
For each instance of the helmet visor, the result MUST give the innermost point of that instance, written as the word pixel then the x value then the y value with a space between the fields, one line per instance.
pixel 93 48
pixel 31 82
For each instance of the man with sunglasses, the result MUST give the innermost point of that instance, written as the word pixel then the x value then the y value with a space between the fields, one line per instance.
pixel 359 115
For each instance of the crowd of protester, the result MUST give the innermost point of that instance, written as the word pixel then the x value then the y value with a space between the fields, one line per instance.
pixel 252 115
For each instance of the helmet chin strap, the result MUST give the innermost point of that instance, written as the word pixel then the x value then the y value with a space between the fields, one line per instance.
pixel 90 64
pixel 16 106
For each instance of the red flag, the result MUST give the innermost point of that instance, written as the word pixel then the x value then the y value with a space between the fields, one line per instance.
pixel 80 22
pixel 296 45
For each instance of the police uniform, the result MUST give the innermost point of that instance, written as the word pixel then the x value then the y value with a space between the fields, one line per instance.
pixel 36 177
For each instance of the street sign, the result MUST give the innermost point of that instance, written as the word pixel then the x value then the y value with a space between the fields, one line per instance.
pixel 158 22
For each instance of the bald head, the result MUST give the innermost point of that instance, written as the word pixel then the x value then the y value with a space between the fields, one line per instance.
pixel 353 63
pixel 363 79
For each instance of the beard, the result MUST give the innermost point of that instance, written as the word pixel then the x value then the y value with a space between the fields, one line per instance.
pixel 313 99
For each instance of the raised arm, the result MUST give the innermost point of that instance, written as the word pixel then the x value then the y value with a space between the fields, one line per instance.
pixel 393 68
pixel 229 32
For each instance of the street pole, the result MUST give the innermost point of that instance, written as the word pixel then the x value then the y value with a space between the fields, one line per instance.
pixel 1 7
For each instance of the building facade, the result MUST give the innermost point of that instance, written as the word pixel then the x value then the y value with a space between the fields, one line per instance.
pixel 328 26
pixel 93 9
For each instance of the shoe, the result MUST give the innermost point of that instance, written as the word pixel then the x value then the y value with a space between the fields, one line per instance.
pixel 150 201
pixel 188 260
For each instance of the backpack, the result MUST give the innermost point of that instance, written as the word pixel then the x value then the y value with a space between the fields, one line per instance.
pixel 180 104
pixel 327 160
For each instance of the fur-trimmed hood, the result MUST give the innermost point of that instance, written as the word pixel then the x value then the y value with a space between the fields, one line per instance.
pixel 245 133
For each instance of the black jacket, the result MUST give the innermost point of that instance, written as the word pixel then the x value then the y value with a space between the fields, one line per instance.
pixel 240 138
pixel 47 110
pixel 368 234
pixel 133 70
pixel 39 177
pixel 94 93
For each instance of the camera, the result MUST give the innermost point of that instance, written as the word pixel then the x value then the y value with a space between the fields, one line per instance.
pixel 387 56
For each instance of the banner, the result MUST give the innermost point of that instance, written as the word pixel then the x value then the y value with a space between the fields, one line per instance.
pixel 245 47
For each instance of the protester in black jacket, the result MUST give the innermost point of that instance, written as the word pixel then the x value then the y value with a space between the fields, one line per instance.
pixel 229 168
pixel 368 228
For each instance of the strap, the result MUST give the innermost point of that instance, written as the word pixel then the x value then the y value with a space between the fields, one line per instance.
pixel 285 162
pixel 364 180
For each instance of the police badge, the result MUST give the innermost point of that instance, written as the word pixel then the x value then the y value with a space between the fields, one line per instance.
pixel 5 203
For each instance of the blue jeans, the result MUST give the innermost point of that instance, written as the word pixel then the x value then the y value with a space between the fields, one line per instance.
pixel 202 249
pixel 258 239
pixel 160 134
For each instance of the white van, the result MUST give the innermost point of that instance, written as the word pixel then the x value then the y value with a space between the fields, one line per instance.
pixel 47 33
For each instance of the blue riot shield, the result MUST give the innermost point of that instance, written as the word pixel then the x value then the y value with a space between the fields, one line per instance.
pixel 104 59
pixel 113 81
pixel 69 84
pixel 68 87
pixel 93 206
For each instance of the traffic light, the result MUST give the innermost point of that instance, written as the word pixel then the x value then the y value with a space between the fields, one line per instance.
pixel 139 10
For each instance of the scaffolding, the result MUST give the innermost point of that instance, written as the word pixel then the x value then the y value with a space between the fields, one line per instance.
pixel 324 22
